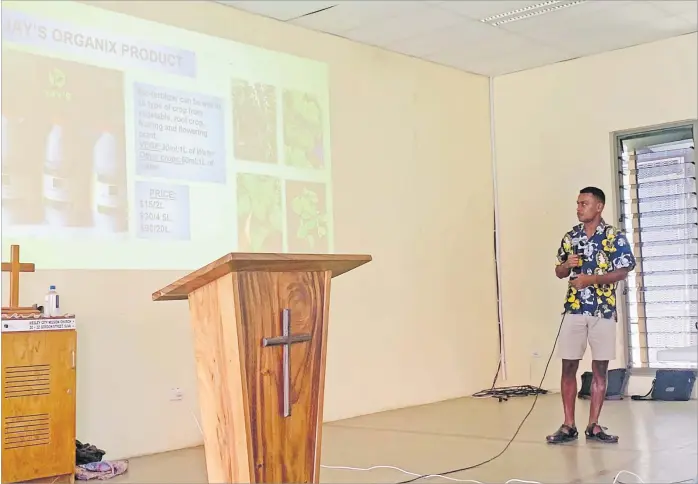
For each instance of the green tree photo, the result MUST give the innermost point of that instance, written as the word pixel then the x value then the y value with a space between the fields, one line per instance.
pixel 254 121
pixel 308 220
pixel 259 213
pixel 304 142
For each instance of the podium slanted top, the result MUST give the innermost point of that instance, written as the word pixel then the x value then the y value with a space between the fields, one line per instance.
pixel 259 262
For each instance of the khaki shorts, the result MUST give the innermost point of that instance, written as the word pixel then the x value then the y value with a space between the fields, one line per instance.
pixel 577 329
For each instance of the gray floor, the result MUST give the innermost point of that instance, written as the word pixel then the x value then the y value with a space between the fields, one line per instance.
pixel 658 442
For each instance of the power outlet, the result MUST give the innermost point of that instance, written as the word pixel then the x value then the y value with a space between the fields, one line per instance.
pixel 176 394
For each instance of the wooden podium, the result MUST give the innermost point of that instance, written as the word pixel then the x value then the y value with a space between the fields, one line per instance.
pixel 260 337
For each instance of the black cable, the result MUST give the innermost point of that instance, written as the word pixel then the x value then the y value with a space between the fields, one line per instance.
pixel 505 393
pixel 517 430
pixel 496 374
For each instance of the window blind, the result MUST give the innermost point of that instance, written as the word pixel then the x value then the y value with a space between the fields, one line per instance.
pixel 659 213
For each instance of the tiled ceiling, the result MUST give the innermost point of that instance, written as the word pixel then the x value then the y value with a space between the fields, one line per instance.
pixel 473 35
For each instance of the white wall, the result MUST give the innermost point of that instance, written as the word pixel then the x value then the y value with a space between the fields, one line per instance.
pixel 553 130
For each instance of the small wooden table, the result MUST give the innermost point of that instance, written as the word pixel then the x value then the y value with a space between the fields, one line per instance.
pixel 38 389
pixel 38 404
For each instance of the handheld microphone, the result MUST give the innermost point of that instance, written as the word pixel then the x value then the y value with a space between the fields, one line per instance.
pixel 579 250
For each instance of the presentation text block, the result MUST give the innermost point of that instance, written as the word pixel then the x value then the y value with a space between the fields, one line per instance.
pixel 162 211
pixel 179 135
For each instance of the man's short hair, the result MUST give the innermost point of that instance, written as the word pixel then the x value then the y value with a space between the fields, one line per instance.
pixel 596 192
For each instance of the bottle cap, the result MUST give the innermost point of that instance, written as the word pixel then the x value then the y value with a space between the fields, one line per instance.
pixel 51 288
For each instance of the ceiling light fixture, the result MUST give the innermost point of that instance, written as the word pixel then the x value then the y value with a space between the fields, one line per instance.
pixel 532 11
pixel 518 10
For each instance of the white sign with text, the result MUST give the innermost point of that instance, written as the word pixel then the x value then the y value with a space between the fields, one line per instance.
pixel 38 324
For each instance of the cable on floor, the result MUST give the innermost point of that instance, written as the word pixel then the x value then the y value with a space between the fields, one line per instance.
pixel 545 372
pixel 616 481
pixel 510 481
pixel 505 393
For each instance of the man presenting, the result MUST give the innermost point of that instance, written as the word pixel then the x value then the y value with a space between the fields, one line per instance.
pixel 595 256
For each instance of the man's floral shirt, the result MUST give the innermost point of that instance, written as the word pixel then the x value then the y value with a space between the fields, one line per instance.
pixel 606 251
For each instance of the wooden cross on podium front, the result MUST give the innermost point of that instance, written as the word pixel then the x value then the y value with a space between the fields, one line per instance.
pixel 286 339
pixel 14 267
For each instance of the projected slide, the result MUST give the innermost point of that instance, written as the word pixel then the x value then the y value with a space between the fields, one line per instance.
pixel 128 144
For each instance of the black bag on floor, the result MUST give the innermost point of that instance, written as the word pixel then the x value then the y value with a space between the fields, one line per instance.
pixel 616 383
pixel 87 453
pixel 670 386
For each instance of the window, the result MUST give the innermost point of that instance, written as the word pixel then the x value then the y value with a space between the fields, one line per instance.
pixel 659 213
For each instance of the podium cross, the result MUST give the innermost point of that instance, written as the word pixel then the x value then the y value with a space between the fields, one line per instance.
pixel 287 339
pixel 14 267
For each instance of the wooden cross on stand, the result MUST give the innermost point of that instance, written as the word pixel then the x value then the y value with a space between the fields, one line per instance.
pixel 14 267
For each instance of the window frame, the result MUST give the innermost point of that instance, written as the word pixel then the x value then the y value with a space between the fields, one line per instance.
pixel 616 152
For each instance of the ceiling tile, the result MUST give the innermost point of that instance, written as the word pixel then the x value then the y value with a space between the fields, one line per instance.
pixel 624 14
pixel 529 56
pixel 348 15
pixel 404 26
pixel 279 9
pixel 477 10
pixel 585 43
pixel 679 7
pixel 625 23
pixel 466 35
pixel 449 31
pixel 501 44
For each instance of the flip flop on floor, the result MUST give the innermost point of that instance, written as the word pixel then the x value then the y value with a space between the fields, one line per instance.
pixel 563 435
pixel 596 432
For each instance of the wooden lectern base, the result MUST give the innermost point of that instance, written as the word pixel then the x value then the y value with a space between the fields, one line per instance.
pixel 284 437
pixel 260 337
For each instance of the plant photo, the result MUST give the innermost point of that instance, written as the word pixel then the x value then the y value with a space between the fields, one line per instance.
pixel 259 213
pixel 307 217
pixel 304 143
pixel 254 121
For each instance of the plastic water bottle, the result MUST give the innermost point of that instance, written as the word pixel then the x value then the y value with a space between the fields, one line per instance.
pixel 52 305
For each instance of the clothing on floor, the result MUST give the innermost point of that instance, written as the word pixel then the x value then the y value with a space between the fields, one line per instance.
pixel 102 470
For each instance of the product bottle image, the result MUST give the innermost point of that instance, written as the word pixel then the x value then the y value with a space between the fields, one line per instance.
pixel 15 187
pixel 6 175
pixel 58 188
pixel 108 189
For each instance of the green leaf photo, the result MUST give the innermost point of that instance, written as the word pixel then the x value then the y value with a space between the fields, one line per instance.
pixel 308 220
pixel 259 213
pixel 304 142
